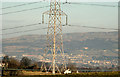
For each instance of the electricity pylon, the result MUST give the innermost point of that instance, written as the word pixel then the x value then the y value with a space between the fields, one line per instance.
pixel 54 35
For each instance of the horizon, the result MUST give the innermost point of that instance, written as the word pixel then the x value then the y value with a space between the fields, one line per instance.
pixel 63 34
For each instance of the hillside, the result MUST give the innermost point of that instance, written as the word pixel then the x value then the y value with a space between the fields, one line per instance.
pixel 100 45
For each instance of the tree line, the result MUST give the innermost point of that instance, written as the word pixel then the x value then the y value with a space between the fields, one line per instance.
pixel 26 63
pixel 12 63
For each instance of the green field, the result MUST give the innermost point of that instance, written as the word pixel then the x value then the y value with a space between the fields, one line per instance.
pixel 90 74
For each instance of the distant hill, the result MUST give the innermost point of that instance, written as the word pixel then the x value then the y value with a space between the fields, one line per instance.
pixel 73 43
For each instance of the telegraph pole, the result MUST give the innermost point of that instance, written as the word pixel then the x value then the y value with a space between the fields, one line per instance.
pixel 54 33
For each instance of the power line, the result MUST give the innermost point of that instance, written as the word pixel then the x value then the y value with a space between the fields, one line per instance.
pixel 22 26
pixel 62 25
pixel 48 6
pixel 24 10
pixel 24 31
pixel 47 27
pixel 92 27
pixel 20 5
pixel 91 4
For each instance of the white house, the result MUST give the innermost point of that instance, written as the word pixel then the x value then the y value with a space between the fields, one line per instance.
pixel 68 71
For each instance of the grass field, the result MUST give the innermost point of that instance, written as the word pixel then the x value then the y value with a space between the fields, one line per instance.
pixel 89 74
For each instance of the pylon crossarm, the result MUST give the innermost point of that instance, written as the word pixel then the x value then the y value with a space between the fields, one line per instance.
pixel 64 14
pixel 47 13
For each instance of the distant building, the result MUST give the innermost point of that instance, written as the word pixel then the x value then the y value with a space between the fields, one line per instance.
pixel 85 48
pixel 68 71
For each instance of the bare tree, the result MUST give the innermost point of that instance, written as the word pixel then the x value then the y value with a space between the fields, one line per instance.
pixel 25 62
pixel 13 63
pixel 5 60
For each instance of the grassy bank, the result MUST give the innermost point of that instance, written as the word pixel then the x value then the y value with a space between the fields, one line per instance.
pixel 89 74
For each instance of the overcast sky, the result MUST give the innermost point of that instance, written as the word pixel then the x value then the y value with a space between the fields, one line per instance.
pixel 85 15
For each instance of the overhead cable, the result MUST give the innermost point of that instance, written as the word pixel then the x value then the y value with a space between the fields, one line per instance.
pixel 20 5
pixel 24 31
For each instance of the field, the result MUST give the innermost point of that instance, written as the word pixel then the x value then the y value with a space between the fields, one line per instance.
pixel 89 74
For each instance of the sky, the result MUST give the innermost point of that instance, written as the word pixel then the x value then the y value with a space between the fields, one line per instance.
pixel 83 15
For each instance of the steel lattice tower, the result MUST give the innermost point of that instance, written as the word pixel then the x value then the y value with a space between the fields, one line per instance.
pixel 54 34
